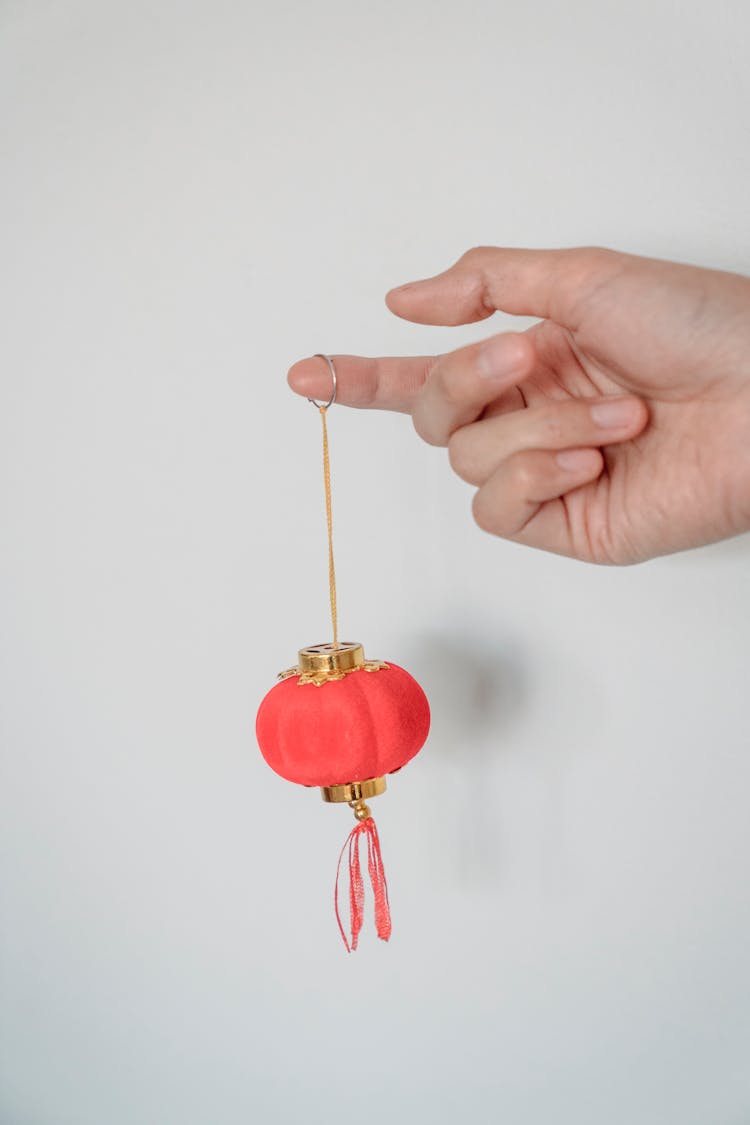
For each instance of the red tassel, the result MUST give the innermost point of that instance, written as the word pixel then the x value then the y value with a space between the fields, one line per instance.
pixel 356 885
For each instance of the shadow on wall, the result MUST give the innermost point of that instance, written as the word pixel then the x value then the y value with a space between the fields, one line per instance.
pixel 509 723
pixel 477 686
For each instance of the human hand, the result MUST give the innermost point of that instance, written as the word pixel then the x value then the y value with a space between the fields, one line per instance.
pixel 616 429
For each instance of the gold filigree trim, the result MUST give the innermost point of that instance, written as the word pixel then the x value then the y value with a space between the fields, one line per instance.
pixel 325 676
pixel 289 672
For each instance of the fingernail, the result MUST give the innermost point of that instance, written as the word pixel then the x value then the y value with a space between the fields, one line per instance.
pixel 500 357
pixel 402 288
pixel 610 415
pixel 577 460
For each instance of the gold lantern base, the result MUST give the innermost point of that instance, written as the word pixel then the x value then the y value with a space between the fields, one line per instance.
pixel 353 791
pixel 354 794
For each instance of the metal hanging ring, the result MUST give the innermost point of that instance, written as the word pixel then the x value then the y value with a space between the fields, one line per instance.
pixel 332 399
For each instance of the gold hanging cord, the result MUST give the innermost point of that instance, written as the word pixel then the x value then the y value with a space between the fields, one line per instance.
pixel 323 408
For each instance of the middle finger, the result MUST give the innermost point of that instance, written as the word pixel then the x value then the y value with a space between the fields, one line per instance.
pixel 462 383
pixel 478 449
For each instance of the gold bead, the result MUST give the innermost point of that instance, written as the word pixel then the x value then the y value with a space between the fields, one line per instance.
pixel 361 810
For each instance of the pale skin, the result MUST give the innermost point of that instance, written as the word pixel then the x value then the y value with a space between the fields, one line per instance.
pixel 615 429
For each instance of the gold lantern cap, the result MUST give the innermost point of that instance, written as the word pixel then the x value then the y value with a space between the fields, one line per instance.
pixel 331 659
pixel 326 663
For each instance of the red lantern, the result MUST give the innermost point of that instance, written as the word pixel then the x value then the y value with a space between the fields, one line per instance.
pixel 343 723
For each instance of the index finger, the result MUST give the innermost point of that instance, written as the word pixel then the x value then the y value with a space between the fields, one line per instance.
pixel 390 383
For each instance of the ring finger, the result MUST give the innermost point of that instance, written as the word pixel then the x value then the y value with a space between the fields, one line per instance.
pixel 476 450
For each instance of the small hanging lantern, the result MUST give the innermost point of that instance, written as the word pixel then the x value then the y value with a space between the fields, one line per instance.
pixel 343 723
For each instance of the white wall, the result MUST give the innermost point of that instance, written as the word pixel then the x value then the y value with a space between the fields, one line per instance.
pixel 193 196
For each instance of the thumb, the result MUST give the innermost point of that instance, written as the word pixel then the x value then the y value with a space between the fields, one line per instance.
pixel 543 283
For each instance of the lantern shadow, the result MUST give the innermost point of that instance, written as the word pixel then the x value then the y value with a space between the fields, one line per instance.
pixel 478 690
pixel 476 687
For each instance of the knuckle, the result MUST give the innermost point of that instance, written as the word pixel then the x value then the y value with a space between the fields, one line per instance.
pixel 452 386
pixel 593 255
pixel 460 455
pixel 476 255
pixel 522 475
pixel 593 261
pixel 474 266
pixel 424 429
pixel 553 428
pixel 484 516
pixel 370 384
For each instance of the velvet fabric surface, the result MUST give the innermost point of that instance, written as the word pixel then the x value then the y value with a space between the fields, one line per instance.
pixel 366 725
